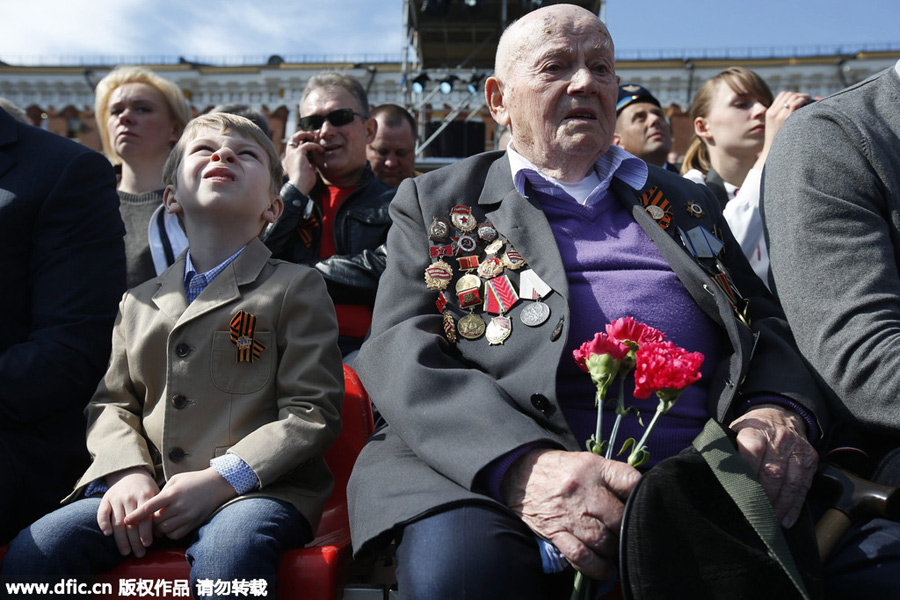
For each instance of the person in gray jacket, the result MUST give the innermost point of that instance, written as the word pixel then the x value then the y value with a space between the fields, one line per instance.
pixel 831 205
pixel 500 266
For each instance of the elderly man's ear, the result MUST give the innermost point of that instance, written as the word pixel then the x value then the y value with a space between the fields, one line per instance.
pixel 493 93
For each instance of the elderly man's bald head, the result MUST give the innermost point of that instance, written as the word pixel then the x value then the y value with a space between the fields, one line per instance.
pixel 555 85
pixel 524 33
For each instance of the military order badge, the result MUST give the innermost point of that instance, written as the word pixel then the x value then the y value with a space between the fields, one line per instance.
pixel 695 210
pixel 487 232
pixel 243 326
pixel 462 219
pixel 439 230
pixel 498 330
pixel 438 275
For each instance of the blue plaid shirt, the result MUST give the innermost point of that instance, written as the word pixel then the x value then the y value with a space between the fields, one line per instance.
pixel 230 466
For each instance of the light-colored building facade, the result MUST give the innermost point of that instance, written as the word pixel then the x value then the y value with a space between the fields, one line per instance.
pixel 60 98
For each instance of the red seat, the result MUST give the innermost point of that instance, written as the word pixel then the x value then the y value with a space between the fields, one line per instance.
pixel 316 572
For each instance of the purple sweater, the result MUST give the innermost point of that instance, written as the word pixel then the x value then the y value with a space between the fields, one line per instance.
pixel 614 270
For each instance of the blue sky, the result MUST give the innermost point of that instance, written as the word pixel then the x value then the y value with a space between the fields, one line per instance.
pixel 234 28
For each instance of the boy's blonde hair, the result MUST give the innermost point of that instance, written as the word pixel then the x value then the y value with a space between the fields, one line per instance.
pixel 178 106
pixel 223 122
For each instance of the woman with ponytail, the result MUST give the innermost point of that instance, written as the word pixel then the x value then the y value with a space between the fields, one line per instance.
pixel 735 120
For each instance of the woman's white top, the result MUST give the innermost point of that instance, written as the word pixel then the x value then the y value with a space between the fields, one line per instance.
pixel 744 219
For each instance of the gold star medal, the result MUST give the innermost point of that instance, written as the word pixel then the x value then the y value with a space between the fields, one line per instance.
pixel 462 219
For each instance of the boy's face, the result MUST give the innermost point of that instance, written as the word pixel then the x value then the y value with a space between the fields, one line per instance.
pixel 226 176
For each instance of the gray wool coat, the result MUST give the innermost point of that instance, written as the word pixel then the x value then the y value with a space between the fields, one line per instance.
pixel 455 408
pixel 831 204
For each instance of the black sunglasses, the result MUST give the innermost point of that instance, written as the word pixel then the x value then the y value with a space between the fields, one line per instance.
pixel 341 116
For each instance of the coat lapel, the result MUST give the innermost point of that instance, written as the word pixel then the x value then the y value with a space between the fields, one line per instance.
pixel 681 262
pixel 522 221
pixel 171 298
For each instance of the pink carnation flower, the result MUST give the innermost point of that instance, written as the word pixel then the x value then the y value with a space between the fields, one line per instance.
pixel 626 329
pixel 664 367
pixel 601 344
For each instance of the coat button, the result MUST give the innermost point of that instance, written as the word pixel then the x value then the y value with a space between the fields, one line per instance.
pixel 179 401
pixel 540 402
pixel 176 454
pixel 182 350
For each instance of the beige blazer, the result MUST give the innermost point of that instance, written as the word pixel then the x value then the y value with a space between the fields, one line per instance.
pixel 175 395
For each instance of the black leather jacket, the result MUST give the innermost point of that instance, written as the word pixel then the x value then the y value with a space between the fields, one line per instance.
pixel 360 233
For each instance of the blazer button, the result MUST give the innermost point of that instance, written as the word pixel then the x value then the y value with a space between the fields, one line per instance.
pixel 182 350
pixel 176 454
pixel 179 401
pixel 540 402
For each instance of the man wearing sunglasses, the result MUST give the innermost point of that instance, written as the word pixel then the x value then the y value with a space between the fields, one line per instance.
pixel 336 209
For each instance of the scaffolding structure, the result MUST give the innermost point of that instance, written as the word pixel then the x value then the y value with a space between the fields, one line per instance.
pixel 451 43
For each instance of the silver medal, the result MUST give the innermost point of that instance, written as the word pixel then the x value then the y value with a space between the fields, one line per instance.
pixel 536 313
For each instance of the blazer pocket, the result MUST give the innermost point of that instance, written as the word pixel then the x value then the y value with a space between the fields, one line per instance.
pixel 241 377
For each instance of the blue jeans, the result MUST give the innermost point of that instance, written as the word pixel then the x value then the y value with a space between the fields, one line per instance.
pixel 244 540
pixel 476 552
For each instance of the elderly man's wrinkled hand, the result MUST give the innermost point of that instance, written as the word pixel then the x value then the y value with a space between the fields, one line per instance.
pixel 772 439
pixel 575 500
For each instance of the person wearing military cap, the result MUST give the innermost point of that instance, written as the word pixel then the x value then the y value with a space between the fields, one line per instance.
pixel 641 126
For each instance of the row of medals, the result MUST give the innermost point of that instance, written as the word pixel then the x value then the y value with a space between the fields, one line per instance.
pixel 468 287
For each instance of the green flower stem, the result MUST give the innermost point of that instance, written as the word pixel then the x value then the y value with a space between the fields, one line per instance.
pixel 599 427
pixel 620 412
pixel 584 588
pixel 635 452
pixel 578 587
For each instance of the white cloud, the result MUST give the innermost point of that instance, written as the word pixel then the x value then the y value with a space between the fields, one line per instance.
pixel 60 27
pixel 182 28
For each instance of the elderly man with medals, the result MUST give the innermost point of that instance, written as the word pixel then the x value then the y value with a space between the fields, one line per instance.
pixel 504 263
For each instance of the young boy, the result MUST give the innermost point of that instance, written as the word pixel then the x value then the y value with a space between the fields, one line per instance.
pixel 223 390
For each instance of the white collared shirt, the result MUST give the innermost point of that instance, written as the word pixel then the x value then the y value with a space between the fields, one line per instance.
pixel 614 162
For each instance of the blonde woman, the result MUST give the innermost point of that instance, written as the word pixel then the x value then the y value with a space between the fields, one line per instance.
pixel 140 116
pixel 735 119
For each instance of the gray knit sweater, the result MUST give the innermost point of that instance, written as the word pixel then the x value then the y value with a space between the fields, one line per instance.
pixel 136 210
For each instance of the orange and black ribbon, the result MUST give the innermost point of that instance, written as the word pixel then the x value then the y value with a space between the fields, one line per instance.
pixel 657 206
pixel 307 230
pixel 243 325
